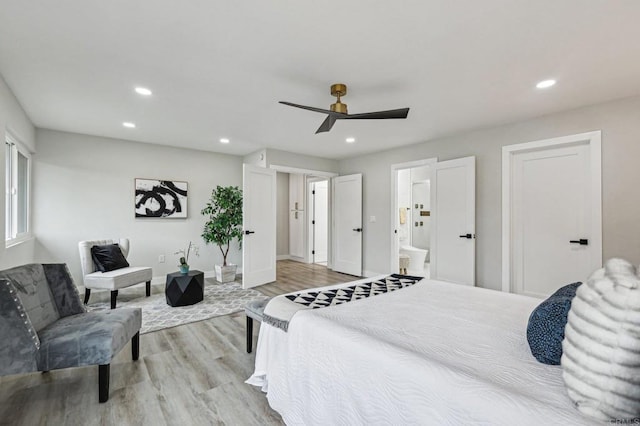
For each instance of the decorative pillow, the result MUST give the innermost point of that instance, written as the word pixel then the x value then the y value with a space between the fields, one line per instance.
pixel 545 330
pixel 108 258
pixel 601 359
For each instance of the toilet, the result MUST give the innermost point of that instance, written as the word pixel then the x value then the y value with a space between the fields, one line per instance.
pixel 417 257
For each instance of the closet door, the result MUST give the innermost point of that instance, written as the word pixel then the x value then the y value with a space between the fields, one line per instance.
pixel 347 224
pixel 259 224
pixel 554 213
pixel 453 211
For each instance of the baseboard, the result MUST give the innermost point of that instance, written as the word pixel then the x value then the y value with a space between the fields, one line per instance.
pixel 283 257
pixel 368 274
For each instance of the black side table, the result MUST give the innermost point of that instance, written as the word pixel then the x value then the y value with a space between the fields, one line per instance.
pixel 184 289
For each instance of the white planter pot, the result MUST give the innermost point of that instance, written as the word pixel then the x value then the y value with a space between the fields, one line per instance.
pixel 226 274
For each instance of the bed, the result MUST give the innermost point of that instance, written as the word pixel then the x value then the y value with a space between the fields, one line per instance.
pixel 429 353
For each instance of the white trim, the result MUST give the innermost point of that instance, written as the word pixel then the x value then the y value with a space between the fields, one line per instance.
pixel 368 274
pixel 594 140
pixel 22 149
pixel 393 261
pixel 295 170
pixel 283 257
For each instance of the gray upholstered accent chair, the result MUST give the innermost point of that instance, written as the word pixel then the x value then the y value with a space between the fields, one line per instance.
pixel 112 280
pixel 254 311
pixel 44 325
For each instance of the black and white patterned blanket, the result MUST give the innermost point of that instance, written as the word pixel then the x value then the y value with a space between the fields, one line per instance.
pixel 281 309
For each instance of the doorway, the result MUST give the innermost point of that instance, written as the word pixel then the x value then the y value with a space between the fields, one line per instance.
pixel 552 213
pixel 448 217
pixel 411 217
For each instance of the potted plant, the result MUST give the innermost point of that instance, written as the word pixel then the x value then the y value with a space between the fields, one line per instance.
pixel 224 224
pixel 184 259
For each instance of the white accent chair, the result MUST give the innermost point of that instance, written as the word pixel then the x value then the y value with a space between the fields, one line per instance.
pixel 112 280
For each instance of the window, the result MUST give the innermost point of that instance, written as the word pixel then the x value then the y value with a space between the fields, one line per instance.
pixel 17 178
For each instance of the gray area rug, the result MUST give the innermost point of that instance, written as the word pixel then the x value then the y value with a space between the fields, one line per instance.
pixel 219 299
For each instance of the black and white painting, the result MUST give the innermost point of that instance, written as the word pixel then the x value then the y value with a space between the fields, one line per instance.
pixel 161 198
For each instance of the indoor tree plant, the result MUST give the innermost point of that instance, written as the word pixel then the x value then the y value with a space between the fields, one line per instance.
pixel 224 224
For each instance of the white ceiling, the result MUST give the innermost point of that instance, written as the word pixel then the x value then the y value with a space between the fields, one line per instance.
pixel 218 68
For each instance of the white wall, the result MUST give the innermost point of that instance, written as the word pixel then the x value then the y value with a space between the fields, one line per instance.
pixel 290 159
pixel 258 158
pixel 84 189
pixel 620 125
pixel 13 119
pixel 282 214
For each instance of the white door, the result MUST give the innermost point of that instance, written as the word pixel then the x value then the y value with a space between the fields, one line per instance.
pixel 259 224
pixel 319 224
pixel 453 227
pixel 555 228
pixel 347 224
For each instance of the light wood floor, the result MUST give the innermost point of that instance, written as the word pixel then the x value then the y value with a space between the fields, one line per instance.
pixel 188 375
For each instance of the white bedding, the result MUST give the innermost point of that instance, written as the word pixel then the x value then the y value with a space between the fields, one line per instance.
pixel 434 353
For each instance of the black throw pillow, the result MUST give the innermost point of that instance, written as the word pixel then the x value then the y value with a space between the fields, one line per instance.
pixel 545 330
pixel 108 258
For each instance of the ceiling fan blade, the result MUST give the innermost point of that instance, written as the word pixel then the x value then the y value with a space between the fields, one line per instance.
pixel 323 111
pixel 327 124
pixel 379 115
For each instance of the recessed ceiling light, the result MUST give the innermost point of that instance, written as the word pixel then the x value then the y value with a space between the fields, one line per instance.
pixel 350 140
pixel 129 124
pixel 224 140
pixel 544 84
pixel 143 91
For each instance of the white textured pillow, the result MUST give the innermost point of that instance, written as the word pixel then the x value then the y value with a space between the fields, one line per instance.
pixel 601 346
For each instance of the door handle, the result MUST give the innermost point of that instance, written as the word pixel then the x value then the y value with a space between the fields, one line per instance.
pixel 249 232
pixel 581 241
pixel 357 229
pixel 468 236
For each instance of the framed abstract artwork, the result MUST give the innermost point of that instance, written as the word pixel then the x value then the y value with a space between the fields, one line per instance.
pixel 161 198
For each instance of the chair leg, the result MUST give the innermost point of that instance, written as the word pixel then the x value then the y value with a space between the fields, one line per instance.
pixel 114 296
pixel 135 346
pixel 87 293
pixel 249 334
pixel 103 382
pixel 148 288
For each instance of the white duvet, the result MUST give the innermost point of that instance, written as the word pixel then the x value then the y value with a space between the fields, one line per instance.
pixel 433 353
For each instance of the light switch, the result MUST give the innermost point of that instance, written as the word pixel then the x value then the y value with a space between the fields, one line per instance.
pixel 372 219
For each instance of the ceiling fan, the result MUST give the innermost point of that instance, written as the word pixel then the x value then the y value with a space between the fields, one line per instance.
pixel 338 110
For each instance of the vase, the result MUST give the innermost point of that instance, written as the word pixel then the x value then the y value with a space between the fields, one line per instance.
pixel 225 274
pixel 184 269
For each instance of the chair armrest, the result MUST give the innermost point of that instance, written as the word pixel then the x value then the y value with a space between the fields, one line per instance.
pixel 64 291
pixel 20 343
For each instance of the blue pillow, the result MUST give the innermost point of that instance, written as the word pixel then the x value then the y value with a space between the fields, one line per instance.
pixel 545 330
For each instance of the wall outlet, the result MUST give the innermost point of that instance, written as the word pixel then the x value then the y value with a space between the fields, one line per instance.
pixel 161 258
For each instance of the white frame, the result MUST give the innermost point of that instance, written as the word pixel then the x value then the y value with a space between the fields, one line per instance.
pixel 393 261
pixel 15 237
pixel 138 183
pixel 593 139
